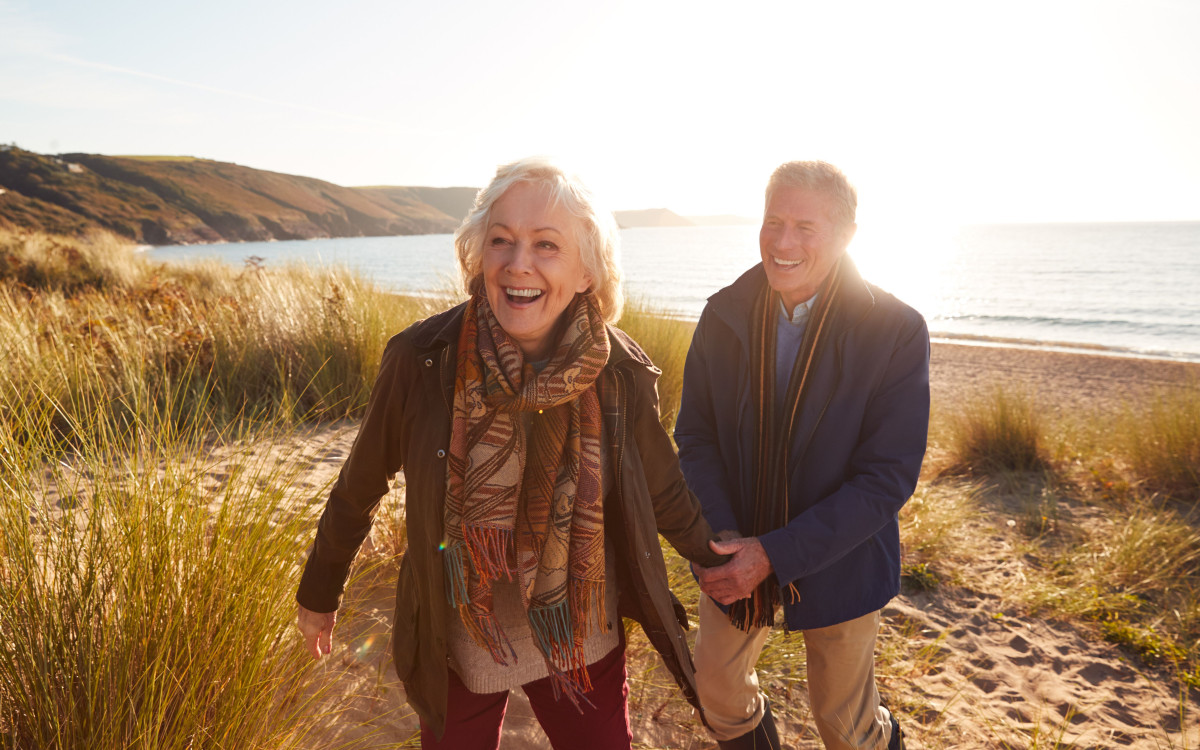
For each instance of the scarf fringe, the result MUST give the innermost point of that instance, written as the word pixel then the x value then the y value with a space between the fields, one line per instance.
pixel 456 575
pixel 488 547
pixel 486 631
pixel 563 652
pixel 587 598
pixel 755 611
pixel 564 686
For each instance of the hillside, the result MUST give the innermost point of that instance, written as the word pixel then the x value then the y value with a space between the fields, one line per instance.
pixel 650 217
pixel 180 200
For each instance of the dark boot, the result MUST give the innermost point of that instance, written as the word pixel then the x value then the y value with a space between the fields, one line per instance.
pixel 897 741
pixel 762 737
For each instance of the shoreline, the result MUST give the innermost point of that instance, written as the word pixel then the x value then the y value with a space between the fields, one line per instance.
pixel 1064 347
pixel 1000 342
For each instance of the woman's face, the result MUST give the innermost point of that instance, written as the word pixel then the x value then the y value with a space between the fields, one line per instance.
pixel 532 267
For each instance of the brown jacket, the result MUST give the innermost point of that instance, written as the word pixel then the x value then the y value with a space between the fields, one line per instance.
pixel 407 426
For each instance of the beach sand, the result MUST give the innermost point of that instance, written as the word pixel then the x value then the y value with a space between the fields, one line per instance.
pixel 996 678
pixel 1063 381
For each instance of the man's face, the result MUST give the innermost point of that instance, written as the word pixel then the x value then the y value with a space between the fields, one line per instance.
pixel 799 242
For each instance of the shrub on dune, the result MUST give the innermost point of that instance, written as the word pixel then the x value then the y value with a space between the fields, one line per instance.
pixel 1000 432
pixel 1162 443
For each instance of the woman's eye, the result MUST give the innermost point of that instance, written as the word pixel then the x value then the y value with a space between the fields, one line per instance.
pixel 497 241
pixel 547 245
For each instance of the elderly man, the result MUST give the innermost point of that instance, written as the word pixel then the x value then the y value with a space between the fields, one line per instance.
pixel 802 431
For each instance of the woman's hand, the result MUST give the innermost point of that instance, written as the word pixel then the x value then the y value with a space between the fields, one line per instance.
pixel 317 628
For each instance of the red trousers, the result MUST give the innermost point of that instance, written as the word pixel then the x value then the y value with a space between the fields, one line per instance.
pixel 473 721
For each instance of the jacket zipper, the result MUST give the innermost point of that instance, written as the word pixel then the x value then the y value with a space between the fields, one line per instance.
pixel 622 409
pixel 441 386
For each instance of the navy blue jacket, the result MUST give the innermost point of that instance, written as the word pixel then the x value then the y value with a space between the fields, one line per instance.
pixel 854 458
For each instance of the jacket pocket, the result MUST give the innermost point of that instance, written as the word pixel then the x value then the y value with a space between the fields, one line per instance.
pixel 404 629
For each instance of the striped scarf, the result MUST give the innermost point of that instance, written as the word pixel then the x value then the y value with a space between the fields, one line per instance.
pixel 523 497
pixel 775 425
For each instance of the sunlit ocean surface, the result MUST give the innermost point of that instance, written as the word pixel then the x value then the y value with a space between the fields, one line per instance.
pixel 1125 288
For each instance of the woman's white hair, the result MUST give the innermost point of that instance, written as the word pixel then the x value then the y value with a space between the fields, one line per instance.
pixel 596 233
pixel 821 177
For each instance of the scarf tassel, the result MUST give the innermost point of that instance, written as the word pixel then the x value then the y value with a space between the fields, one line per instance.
pixel 755 611
pixel 488 547
pixel 486 631
pixel 456 575
pixel 552 629
pixel 587 598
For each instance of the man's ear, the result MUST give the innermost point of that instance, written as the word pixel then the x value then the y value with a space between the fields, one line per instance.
pixel 848 232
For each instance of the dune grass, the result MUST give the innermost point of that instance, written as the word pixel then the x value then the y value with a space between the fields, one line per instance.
pixel 1161 442
pixel 91 322
pixel 666 341
pixel 1004 431
pixel 147 592
pixel 148 585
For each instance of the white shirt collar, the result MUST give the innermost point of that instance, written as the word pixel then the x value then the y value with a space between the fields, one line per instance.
pixel 799 316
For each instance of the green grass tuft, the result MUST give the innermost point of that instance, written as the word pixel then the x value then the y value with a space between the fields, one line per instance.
pixel 1003 432
pixel 1162 443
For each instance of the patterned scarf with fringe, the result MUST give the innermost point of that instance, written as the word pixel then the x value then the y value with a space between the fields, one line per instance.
pixel 775 425
pixel 525 503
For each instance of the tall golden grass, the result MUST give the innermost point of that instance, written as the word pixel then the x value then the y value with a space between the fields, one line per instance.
pixel 90 322
pixel 144 608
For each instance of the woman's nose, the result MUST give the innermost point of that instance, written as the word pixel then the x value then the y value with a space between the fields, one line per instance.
pixel 521 258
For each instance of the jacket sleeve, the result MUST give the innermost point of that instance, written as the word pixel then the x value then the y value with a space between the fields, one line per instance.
pixel 365 477
pixel 677 514
pixel 696 433
pixel 882 474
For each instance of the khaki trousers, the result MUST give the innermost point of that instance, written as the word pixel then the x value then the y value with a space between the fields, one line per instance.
pixel 841 680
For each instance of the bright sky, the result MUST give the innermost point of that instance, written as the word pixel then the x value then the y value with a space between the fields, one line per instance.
pixel 941 112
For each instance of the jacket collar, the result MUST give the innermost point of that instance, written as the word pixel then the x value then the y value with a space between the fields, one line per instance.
pixel 732 304
pixel 441 331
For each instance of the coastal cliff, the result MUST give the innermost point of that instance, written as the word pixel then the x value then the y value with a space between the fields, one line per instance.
pixel 182 200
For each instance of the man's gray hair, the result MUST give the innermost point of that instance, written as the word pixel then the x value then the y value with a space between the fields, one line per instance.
pixel 598 235
pixel 821 177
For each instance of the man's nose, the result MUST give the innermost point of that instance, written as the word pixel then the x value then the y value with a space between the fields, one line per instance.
pixel 788 238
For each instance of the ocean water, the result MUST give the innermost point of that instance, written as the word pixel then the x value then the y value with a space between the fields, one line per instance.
pixel 1130 289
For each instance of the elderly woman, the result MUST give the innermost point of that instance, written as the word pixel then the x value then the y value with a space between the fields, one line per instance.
pixel 538 478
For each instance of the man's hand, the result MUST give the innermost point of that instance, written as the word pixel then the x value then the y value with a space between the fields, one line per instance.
pixel 317 628
pixel 737 578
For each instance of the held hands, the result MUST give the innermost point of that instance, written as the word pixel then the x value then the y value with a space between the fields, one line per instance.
pixel 317 629
pixel 737 578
